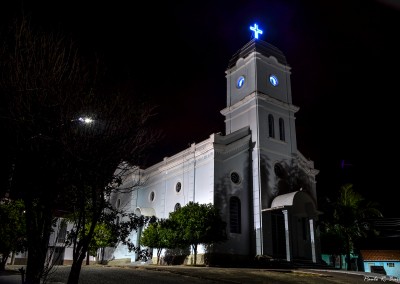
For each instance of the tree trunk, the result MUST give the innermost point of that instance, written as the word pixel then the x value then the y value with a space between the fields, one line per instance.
pixel 102 254
pixel 195 253
pixel 38 227
pixel 4 261
pixel 348 260
pixel 158 255
pixel 87 258
pixel 73 277
pixel 12 258
pixel 79 255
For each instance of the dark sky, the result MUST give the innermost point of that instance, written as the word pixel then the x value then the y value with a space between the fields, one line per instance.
pixel 344 56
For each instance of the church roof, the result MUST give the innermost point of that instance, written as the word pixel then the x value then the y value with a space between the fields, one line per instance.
pixel 260 46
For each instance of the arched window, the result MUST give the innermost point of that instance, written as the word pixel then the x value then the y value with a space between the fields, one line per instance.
pixel 177 206
pixel 281 129
pixel 234 215
pixel 271 129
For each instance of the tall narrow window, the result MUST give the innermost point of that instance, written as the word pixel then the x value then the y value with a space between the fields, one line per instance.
pixel 281 129
pixel 271 128
pixel 234 215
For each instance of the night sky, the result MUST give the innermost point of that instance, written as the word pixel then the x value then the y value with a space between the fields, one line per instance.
pixel 344 55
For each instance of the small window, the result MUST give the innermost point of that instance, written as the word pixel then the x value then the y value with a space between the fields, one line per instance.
pixel 177 206
pixel 151 197
pixel 271 129
pixel 178 187
pixel 235 178
pixel 118 203
pixel 390 264
pixel 281 129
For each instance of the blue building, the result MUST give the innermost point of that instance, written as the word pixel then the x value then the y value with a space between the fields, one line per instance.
pixel 386 262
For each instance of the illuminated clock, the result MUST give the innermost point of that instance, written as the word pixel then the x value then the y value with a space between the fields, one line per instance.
pixel 273 80
pixel 240 82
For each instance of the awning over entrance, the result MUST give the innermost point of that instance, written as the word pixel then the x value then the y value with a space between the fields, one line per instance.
pixel 299 201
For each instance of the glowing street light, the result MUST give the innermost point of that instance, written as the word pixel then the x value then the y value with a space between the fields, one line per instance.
pixel 86 120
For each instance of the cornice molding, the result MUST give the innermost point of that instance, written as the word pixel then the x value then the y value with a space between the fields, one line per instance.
pixel 261 96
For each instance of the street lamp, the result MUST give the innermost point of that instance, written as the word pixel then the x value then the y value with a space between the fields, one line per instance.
pixel 86 120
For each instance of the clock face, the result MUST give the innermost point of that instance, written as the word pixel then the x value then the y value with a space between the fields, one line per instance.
pixel 273 80
pixel 240 82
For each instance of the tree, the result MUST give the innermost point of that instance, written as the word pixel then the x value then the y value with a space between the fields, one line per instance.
pixel 81 238
pixel 60 161
pixel 102 238
pixel 41 77
pixel 109 231
pixel 198 224
pixel 349 212
pixel 12 229
pixel 332 241
pixel 160 235
pixel 113 227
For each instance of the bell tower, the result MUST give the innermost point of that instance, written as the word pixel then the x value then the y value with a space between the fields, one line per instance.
pixel 259 97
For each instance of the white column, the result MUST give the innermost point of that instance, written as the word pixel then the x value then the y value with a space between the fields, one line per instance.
pixel 285 214
pixel 257 203
pixel 314 258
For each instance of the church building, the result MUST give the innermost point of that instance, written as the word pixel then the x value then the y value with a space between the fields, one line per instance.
pixel 264 188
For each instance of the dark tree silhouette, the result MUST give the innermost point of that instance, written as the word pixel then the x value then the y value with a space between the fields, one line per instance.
pixel 59 159
pixel 346 221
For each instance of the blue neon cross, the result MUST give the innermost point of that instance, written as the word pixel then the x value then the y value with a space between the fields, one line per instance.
pixel 256 30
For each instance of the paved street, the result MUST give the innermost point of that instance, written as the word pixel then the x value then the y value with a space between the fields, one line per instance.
pixel 183 274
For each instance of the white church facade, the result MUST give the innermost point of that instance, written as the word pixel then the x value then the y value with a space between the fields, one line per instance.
pixel 262 185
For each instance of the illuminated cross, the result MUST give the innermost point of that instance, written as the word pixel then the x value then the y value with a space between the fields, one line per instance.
pixel 256 30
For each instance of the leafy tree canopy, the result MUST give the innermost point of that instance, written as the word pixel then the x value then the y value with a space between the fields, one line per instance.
pixel 160 235
pixel 12 229
pixel 198 224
